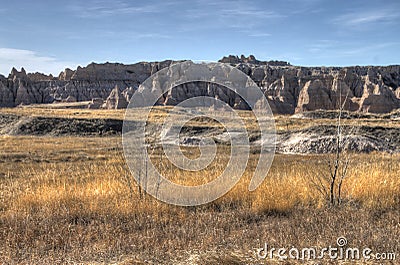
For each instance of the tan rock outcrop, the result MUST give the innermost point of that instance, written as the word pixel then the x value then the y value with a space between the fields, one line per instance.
pixel 66 75
pixel 397 92
pixel 314 95
pixel 116 100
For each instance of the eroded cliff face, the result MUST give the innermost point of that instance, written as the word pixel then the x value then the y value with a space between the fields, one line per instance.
pixel 289 88
pixel 95 81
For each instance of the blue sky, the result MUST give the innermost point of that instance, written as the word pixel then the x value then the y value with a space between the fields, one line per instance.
pixel 48 36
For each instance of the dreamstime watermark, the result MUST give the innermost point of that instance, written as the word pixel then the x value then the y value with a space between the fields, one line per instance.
pixel 341 251
pixel 225 89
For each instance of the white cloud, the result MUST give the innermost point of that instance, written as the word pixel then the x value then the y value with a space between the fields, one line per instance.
pixel 307 7
pixel 241 16
pixel 120 34
pixel 249 13
pixel 152 36
pixel 365 18
pixel 324 45
pixel 31 61
pixel 101 8
pixel 237 8
pixel 368 48
pixel 259 35
pixel 352 51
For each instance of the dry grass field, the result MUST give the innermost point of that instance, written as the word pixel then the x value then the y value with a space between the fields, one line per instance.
pixel 72 200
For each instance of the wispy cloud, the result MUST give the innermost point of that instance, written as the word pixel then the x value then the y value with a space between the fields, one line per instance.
pixel 259 35
pixel 367 49
pixel 187 16
pixel 31 61
pixel 120 34
pixel 102 8
pixel 324 45
pixel 152 36
pixel 359 18
pixel 332 49
pixel 245 13
pixel 222 14
pixel 251 12
pixel 296 7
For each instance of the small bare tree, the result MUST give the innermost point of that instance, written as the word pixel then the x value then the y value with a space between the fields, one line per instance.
pixel 140 180
pixel 329 182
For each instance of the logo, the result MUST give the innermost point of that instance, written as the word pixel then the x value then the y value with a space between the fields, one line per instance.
pixel 226 89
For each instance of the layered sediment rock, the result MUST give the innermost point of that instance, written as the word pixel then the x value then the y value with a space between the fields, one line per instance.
pixel 288 88
pixel 116 100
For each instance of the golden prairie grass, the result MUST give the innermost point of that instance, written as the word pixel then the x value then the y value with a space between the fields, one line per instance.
pixel 64 113
pixel 73 200
pixel 67 199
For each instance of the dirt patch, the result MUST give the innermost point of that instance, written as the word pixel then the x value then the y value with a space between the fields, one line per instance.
pixel 6 120
pixel 40 126
pixel 322 139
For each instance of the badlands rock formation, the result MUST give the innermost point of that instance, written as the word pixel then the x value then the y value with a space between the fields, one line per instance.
pixel 95 81
pixel 289 88
pixel 116 100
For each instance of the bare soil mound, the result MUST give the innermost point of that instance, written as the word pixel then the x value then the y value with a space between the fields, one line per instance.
pixel 322 139
pixel 40 126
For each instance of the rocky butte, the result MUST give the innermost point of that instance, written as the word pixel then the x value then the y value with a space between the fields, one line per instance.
pixel 289 89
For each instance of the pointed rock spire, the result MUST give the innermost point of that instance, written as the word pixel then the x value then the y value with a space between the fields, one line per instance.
pixel 116 100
